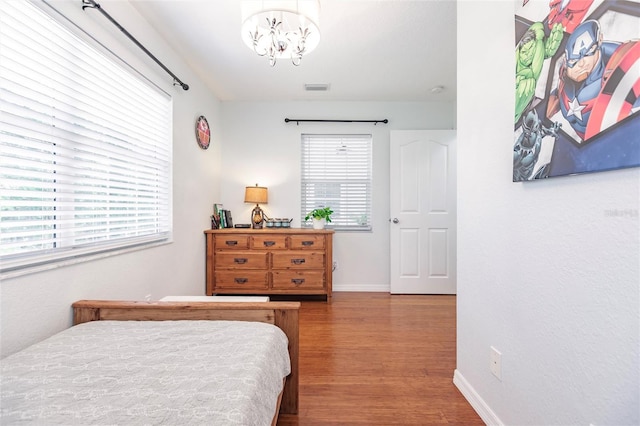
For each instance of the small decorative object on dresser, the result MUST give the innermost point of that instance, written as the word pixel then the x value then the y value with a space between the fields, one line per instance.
pixel 269 261
pixel 259 195
pixel 321 216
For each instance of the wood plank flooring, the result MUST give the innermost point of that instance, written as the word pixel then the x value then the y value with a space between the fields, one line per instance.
pixel 378 359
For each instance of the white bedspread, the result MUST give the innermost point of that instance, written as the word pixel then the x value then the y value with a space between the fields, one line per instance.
pixel 148 372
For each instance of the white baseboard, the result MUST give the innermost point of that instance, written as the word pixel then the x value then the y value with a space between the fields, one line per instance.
pixel 484 411
pixel 379 288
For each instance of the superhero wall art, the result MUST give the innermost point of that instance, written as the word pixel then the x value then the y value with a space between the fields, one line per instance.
pixel 577 87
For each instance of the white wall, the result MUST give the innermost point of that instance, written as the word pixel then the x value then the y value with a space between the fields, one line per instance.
pixel 35 306
pixel 261 148
pixel 546 273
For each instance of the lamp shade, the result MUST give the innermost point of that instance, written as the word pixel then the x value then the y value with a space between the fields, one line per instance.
pixel 255 194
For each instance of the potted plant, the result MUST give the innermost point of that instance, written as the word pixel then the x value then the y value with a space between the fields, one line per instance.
pixel 320 216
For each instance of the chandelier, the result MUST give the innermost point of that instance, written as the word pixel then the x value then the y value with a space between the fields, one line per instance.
pixel 281 28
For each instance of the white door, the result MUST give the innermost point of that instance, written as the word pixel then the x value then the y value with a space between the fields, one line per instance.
pixel 423 211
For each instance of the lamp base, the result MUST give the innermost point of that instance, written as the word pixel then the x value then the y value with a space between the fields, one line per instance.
pixel 257 217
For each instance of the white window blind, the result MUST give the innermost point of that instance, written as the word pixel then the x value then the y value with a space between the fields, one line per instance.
pixel 336 173
pixel 85 160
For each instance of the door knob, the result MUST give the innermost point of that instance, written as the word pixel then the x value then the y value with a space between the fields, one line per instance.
pixel 395 220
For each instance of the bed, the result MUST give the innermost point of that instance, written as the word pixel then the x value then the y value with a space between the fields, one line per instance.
pixel 159 363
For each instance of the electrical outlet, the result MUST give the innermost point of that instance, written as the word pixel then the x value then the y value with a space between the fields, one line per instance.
pixel 335 265
pixel 495 363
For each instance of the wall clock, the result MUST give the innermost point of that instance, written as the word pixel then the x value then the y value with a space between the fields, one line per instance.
pixel 203 132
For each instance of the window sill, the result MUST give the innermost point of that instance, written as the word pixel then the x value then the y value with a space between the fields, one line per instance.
pixel 60 263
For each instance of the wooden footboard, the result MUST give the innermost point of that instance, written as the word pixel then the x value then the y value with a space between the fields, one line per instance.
pixel 282 314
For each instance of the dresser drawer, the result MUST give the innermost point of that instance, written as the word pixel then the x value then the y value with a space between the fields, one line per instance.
pixel 297 260
pixel 297 242
pixel 303 280
pixel 240 260
pixel 275 242
pixel 241 279
pixel 231 242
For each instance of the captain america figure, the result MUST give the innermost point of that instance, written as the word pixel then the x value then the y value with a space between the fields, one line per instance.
pixel 589 62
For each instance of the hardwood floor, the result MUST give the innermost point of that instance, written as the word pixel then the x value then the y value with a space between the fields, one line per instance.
pixel 378 359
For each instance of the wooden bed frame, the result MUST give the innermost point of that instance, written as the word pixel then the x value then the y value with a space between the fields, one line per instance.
pixel 282 314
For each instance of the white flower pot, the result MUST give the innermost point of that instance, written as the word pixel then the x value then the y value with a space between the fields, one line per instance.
pixel 318 223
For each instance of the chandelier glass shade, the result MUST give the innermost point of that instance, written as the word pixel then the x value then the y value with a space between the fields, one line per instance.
pixel 281 28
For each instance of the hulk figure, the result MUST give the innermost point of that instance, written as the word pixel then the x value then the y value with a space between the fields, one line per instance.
pixel 531 52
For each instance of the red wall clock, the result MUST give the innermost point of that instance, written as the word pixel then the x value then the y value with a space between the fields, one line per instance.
pixel 203 132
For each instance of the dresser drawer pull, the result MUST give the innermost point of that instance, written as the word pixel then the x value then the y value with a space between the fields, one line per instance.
pixel 231 243
pixel 240 260
pixel 240 280
pixel 307 243
pixel 297 281
pixel 269 243
pixel 297 261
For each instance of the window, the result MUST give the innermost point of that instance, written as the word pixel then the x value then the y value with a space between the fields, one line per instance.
pixel 85 146
pixel 336 173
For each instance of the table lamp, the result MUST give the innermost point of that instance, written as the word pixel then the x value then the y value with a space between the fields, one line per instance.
pixel 256 194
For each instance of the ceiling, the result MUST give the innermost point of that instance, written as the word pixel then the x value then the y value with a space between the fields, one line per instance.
pixel 383 50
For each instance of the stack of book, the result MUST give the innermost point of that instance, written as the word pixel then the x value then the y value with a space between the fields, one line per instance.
pixel 221 218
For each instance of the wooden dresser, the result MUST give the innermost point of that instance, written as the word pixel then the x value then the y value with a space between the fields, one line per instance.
pixel 269 261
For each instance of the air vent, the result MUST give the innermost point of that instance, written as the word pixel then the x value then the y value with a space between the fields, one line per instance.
pixel 316 87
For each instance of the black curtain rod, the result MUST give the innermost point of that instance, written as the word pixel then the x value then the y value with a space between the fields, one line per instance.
pixel 92 4
pixel 298 121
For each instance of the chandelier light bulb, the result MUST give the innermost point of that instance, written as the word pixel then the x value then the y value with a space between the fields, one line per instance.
pixel 281 28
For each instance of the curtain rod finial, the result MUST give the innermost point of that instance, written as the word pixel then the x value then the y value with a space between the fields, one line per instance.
pixel 90 3
pixel 177 82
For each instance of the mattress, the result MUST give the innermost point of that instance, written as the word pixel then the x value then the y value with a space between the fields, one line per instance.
pixel 148 373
